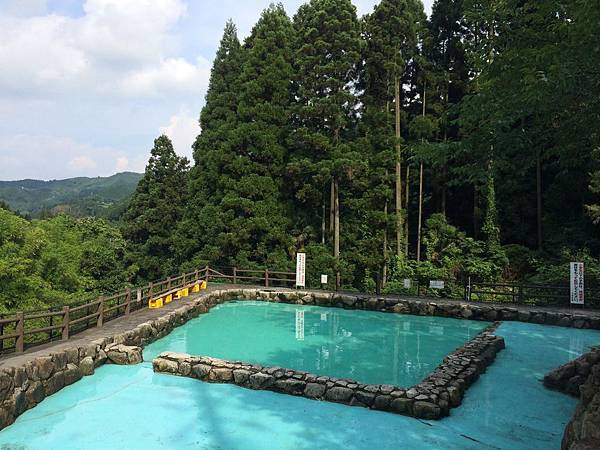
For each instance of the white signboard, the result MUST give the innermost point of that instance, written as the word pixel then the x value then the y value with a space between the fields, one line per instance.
pixel 299 325
pixel 577 284
pixel 323 279
pixel 436 284
pixel 300 269
pixel 407 283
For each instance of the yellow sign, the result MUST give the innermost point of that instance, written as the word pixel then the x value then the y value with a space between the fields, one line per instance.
pixel 155 303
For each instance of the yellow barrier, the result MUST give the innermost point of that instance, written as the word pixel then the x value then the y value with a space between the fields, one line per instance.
pixel 155 303
pixel 203 285
pixel 182 293
pixel 168 299
pixel 196 287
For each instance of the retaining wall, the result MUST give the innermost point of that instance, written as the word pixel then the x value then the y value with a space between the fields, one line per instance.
pixel 23 387
pixel 431 399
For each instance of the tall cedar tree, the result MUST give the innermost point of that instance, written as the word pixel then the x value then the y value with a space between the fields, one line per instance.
pixel 390 34
pixel 392 42
pixel 156 206
pixel 326 59
pixel 218 119
pixel 252 219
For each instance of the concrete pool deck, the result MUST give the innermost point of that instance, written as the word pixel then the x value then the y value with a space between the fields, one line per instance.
pixel 27 379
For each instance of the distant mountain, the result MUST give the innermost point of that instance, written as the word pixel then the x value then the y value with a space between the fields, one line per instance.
pixel 102 196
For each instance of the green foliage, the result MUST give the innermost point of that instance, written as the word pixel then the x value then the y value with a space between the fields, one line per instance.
pixel 194 243
pixel 57 261
pixel 157 204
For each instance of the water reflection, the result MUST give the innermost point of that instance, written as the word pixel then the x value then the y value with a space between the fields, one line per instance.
pixel 370 347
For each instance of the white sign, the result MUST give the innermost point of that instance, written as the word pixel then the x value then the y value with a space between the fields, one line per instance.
pixel 407 283
pixel 299 325
pixel 323 279
pixel 300 269
pixel 436 284
pixel 577 284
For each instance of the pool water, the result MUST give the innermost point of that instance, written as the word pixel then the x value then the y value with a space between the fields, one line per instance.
pixel 367 346
pixel 133 408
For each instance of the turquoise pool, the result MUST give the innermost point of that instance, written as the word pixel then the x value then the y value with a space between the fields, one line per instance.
pixel 133 408
pixel 367 346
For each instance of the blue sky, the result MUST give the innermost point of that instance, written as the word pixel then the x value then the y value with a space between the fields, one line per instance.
pixel 86 85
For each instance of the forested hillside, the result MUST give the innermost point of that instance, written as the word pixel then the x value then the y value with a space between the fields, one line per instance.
pixel 81 197
pixel 395 145
pixel 386 147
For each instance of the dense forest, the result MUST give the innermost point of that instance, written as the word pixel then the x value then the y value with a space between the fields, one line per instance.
pixel 386 147
pixel 105 197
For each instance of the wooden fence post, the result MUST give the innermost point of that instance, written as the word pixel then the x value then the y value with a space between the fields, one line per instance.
pixel 266 277
pixel 183 285
pixel 20 331
pixel 207 273
pixel 196 275
pixel 150 287
pixel 139 297
pixel 100 311
pixel 168 283
pixel 66 320
pixel 128 301
pixel 234 275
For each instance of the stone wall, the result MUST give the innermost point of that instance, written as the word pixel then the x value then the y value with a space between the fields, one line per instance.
pixel 570 376
pixel 23 387
pixel 426 307
pixel 431 399
pixel 581 378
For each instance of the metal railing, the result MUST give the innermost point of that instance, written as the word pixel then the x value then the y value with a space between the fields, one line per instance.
pixel 528 294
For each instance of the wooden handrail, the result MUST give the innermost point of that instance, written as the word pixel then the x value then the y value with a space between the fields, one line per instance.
pixel 43 315
pixel 124 302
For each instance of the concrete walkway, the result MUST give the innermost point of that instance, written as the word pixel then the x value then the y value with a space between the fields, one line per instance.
pixel 115 326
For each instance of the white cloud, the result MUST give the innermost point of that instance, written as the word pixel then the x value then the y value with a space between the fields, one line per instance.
pixel 172 74
pixel 122 164
pixel 182 130
pixel 49 157
pixel 82 163
pixel 115 42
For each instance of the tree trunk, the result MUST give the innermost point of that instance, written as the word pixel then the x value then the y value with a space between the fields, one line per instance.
pixel 444 169
pixel 385 244
pixel 385 238
pixel 419 225
pixel 406 230
pixel 444 192
pixel 323 227
pixel 399 218
pixel 475 212
pixel 331 208
pixel 539 198
pixel 336 236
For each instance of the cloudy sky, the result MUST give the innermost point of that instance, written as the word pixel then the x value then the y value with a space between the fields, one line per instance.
pixel 86 85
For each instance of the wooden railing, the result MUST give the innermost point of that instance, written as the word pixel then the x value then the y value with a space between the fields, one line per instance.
pixel 22 330
pixel 266 277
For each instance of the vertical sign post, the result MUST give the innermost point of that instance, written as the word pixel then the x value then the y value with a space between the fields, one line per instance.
pixel 300 269
pixel 577 283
